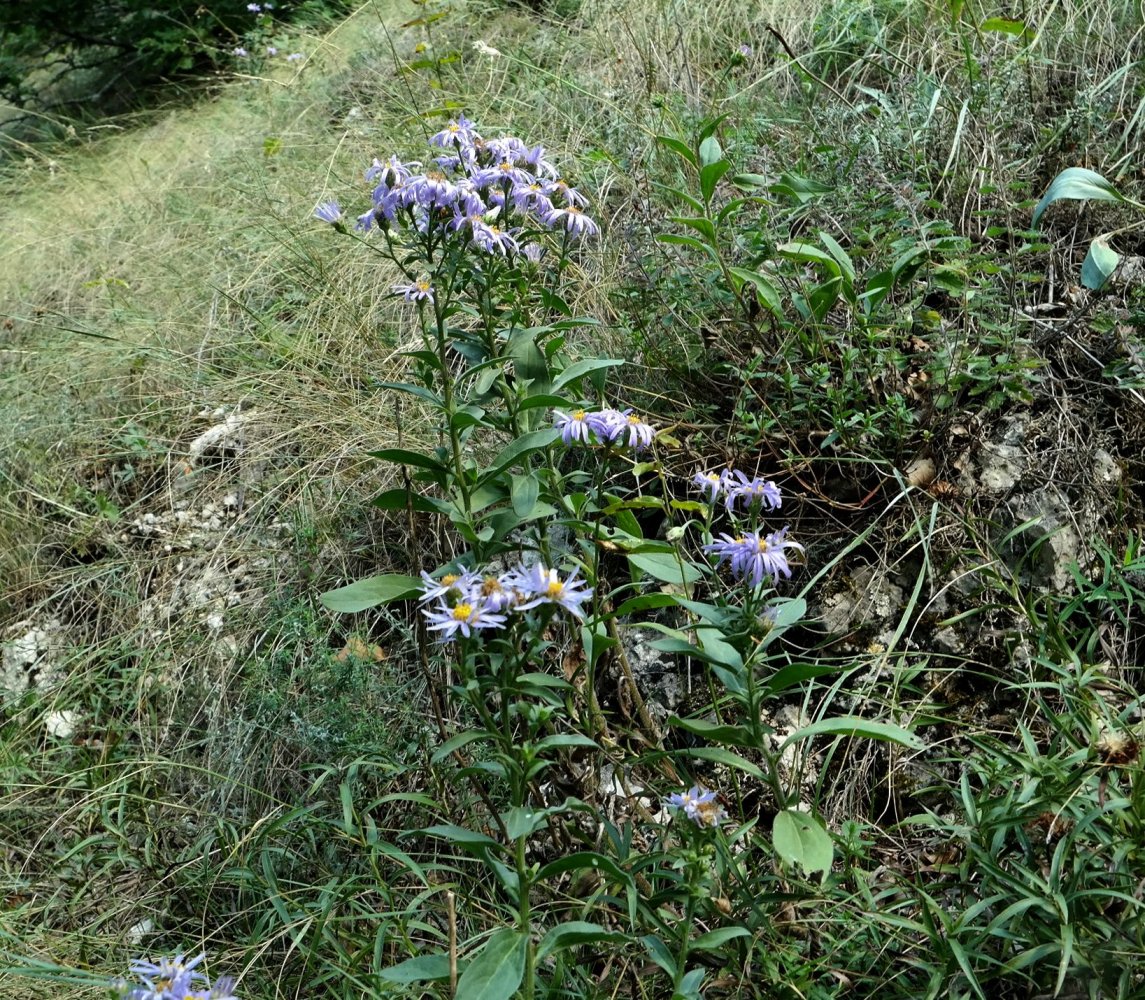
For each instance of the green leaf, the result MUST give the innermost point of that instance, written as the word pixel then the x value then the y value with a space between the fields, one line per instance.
pixel 808 253
pixel 1007 26
pixel 520 821
pixel 800 839
pixel 497 970
pixel 710 177
pixel 767 293
pixel 401 499
pixel 850 725
pixel 714 940
pixel 421 969
pixel 701 225
pixel 585 861
pixel 525 445
pixel 371 592
pixel 573 933
pixel 414 390
pixel 460 835
pixel 664 566
pixel 736 736
pixel 1099 264
pixel 659 952
pixel 457 742
pixel 718 755
pixel 523 494
pixel 578 369
pixel 687 241
pixel 750 181
pixel 402 456
pixel 681 149
pixel 1078 184
pixel 801 189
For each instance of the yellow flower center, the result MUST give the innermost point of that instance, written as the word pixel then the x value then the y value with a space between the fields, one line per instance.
pixel 632 417
pixel 579 415
pixel 573 210
pixel 423 286
pixel 449 579
pixel 491 585
pixel 713 478
pixel 462 612
pixel 555 589
pixel 763 546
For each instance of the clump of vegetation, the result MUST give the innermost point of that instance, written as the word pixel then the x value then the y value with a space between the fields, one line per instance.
pixel 693 552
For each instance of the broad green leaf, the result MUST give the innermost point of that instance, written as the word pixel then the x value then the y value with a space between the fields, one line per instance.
pixel 646 601
pixel 497 970
pixel 523 494
pixel 767 293
pixel 681 149
pixel 736 736
pixel 578 369
pixel 663 566
pixel 401 499
pixel 414 390
pixel 421 969
pixel 701 225
pixel 1006 26
pixel 687 241
pixel 808 253
pixel 710 152
pixel 842 258
pixel 460 835
pixel 660 953
pixel 710 177
pixel 521 821
pixel 1099 264
pixel 585 861
pixel 714 940
pixel 457 742
pixel 525 445
pixel 802 189
pixel 850 725
pixel 694 203
pixel 800 839
pixel 794 674
pixel 718 755
pixel 1078 184
pixel 576 932
pixel 371 592
pixel 402 456
pixel 750 180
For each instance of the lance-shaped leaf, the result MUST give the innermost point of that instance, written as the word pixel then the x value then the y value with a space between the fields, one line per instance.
pixel 1077 184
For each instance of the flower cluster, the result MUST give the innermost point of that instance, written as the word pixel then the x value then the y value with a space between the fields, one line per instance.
pixel 699 805
pixel 734 486
pixel 619 427
pixel 174 979
pixel 481 188
pixel 754 555
pixel 470 600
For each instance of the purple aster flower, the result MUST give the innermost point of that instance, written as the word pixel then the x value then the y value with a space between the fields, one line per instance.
pixel 534 196
pixel 699 805
pixel 167 979
pixel 535 160
pixel 457 133
pixel 271 50
pixel 570 195
pixel 533 252
pixel 416 291
pixel 754 490
pixel 624 427
pixel 452 585
pixel 254 8
pixel 541 585
pixel 753 556
pixel 295 57
pixel 238 50
pixel 432 190
pixel 572 220
pixel 392 171
pixel 711 482
pixel 498 593
pixel 365 221
pixel 463 617
pixel 329 211
pixel 745 51
pixel 493 239
pixel 573 426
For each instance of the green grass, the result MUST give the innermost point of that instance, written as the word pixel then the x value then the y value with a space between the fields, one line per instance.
pixel 248 768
